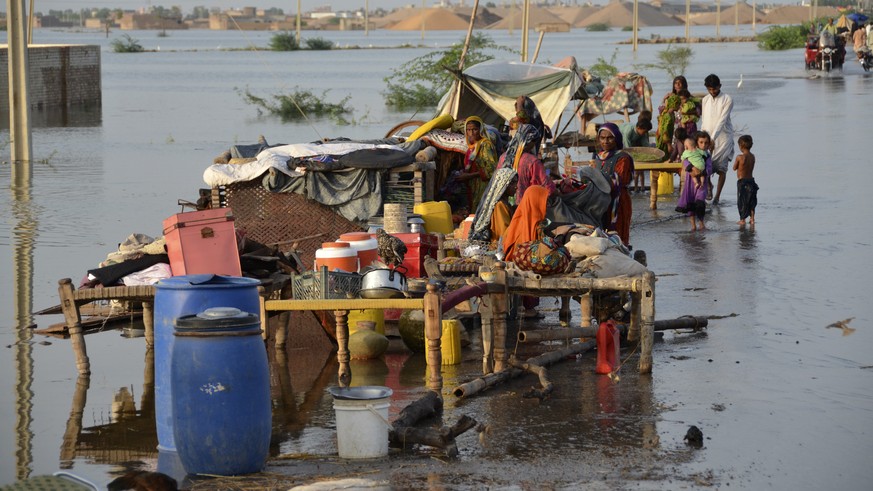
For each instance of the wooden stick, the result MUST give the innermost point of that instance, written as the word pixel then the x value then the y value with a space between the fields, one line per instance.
pixel 685 322
pixel 538 335
pixel 542 373
pixel 433 331
pixel 429 405
pixel 148 320
pixel 74 422
pixel 443 438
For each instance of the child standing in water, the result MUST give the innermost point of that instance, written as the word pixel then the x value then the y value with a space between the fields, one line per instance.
pixel 747 190
pixel 694 163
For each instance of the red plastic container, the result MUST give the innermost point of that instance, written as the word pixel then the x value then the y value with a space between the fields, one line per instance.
pixel 202 242
pixel 608 344
pixel 418 246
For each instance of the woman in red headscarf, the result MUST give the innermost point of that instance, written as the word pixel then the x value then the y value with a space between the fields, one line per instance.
pixel 523 228
pixel 618 167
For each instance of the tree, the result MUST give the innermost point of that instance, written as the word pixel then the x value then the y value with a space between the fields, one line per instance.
pixel 672 60
pixel 420 82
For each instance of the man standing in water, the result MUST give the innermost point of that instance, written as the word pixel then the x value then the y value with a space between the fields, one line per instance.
pixel 716 120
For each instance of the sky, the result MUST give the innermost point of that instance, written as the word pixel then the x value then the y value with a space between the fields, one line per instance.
pixel 288 6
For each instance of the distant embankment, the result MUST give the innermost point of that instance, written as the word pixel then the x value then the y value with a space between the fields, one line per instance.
pixel 693 40
pixel 59 76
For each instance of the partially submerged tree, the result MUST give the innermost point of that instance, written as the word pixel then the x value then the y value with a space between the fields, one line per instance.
pixel 126 44
pixel 284 41
pixel 778 38
pixel 672 60
pixel 421 82
pixel 301 104
pixel 603 69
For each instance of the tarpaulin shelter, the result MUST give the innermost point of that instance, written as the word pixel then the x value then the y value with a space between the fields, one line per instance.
pixel 489 90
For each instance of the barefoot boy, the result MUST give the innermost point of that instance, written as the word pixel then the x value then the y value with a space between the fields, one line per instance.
pixel 747 190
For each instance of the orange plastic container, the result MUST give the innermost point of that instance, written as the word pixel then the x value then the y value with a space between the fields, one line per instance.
pixel 336 255
pixel 366 246
pixel 202 242
pixel 608 344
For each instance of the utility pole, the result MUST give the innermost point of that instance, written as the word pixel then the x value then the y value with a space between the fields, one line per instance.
pixel 19 102
pixel 297 36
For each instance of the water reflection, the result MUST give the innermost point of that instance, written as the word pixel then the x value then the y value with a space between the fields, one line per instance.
pixel 78 116
pixel 25 233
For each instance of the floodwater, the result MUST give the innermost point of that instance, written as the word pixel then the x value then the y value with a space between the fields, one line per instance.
pixel 783 402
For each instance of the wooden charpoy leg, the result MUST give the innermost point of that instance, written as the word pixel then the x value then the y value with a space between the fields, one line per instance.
pixel 433 331
pixel 585 308
pixel 647 318
pixel 262 312
pixel 342 353
pixel 148 320
pixel 74 325
pixel 653 198
pixel 498 317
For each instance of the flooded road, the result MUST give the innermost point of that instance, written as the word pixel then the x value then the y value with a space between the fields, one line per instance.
pixel 783 402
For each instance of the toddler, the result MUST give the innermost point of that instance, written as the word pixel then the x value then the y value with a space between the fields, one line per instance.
pixel 697 160
pixel 747 189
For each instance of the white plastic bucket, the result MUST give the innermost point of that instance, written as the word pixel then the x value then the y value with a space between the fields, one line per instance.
pixel 361 421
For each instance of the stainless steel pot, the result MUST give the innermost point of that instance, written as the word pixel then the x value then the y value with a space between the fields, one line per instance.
pixel 379 278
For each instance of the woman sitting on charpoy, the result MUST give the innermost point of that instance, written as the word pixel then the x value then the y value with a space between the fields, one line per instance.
pixel 480 160
pixel 521 157
pixel 618 167
pixel 494 213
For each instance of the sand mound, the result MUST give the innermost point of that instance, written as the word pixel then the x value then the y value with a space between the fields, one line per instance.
pixel 512 18
pixel 435 19
pixel 574 15
pixel 796 14
pixel 620 14
pixel 394 17
pixel 741 14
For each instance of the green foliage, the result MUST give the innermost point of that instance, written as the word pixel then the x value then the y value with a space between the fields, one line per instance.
pixel 126 44
pixel 628 29
pixel 603 69
pixel 422 81
pixel 672 60
pixel 319 44
pixel 777 38
pixel 284 41
pixel 598 27
pixel 301 104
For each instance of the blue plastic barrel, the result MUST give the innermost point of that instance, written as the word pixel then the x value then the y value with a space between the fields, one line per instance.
pixel 222 417
pixel 187 295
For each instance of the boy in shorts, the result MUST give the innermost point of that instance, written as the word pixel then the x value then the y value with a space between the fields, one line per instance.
pixel 747 189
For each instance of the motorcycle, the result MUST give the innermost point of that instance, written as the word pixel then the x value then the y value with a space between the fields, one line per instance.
pixel 865 58
pixel 825 52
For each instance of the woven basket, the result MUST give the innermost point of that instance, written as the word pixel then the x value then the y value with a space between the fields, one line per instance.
pixel 645 154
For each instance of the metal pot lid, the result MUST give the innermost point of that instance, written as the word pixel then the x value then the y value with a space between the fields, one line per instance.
pixel 363 393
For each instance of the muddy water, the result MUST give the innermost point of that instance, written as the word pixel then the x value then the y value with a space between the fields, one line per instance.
pixel 782 401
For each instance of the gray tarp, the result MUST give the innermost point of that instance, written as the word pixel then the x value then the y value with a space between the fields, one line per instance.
pixel 355 194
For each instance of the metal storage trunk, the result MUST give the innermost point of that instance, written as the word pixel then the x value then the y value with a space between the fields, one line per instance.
pixel 202 242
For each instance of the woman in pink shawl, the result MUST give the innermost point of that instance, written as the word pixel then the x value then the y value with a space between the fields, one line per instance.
pixel 521 157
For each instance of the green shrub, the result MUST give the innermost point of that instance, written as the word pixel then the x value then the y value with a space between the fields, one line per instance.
pixel 284 41
pixel 319 44
pixel 778 38
pixel 301 104
pixel 672 60
pixel 422 81
pixel 598 27
pixel 628 28
pixel 126 44
pixel 604 70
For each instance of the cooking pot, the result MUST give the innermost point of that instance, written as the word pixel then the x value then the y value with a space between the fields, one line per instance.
pixel 380 278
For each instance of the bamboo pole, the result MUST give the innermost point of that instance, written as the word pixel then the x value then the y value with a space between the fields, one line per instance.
pixel 478 385
pixel 342 354
pixel 433 331
pixel 541 373
pixel 469 35
pixel 74 325
pixel 552 334
pixel 636 24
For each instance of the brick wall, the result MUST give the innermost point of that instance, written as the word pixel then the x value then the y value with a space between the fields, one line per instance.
pixel 60 75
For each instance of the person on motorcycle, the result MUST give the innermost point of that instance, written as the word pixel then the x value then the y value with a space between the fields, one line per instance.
pixel 860 42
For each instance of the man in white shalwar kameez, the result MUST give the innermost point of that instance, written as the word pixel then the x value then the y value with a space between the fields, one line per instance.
pixel 715 119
